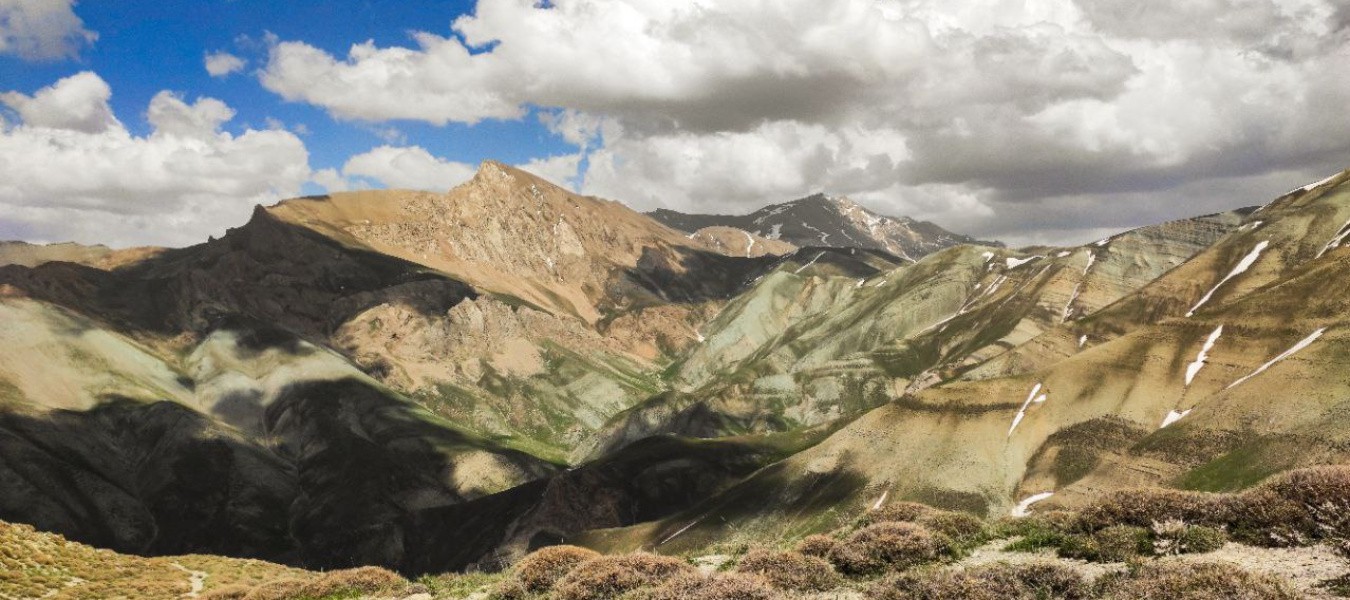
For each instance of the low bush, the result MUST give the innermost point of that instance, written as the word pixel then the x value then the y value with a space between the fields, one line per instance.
pixel 1194 581
pixel 961 527
pixel 720 586
pixel 994 582
pixel 607 577
pixel 358 580
pixel 541 569
pixel 899 512
pixel 790 570
pixel 889 546
pixel 1142 507
pixel 1177 537
pixel 819 546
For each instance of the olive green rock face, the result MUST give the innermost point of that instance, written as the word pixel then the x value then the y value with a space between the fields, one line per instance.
pixel 438 381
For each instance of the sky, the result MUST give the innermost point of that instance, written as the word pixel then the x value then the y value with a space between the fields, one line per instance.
pixel 1029 121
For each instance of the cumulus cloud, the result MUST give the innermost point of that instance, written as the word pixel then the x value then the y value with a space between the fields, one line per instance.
pixel 955 110
pixel 42 29
pixel 223 64
pixel 413 167
pixel 73 172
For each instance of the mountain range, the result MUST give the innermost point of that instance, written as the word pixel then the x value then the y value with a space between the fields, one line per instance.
pixel 443 381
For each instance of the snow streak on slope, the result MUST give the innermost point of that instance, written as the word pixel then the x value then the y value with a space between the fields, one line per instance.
pixel 1022 413
pixel 1247 262
pixel 1194 367
pixel 1173 417
pixel 1304 343
pixel 1336 241
pixel 1023 508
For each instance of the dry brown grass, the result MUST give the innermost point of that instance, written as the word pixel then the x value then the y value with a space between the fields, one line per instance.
pixel 544 567
pixel 994 582
pixel 899 512
pixel 361 580
pixel 956 525
pixel 819 546
pixel 1194 581
pixel 720 586
pixel 611 576
pixel 889 546
pixel 790 570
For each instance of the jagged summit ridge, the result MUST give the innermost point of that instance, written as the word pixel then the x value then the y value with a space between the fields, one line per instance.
pixel 822 220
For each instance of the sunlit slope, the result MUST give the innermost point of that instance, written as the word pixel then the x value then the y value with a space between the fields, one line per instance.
pixel 1073 420
pixel 809 344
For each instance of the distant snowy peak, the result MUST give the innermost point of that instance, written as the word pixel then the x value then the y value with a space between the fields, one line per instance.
pixel 828 221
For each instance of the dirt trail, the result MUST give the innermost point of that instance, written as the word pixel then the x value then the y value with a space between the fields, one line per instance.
pixel 196 580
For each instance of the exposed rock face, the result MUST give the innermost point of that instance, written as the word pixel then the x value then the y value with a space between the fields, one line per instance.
pixel 827 221
pixel 739 242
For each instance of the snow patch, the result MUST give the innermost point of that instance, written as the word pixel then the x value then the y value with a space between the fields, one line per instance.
pixel 1172 417
pixel 1103 242
pixel 1013 263
pixel 1063 254
pixel 1022 413
pixel 813 261
pixel 1246 263
pixel 1304 343
pixel 1068 306
pixel 749 243
pixel 881 501
pixel 1315 184
pixel 1202 357
pixel 1023 508
pixel 1336 241
pixel 1092 260
pixel 988 256
pixel 1082 340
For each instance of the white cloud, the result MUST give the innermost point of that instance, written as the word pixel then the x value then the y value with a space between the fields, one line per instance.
pixel 408 167
pixel 42 29
pixel 78 102
pixel 71 176
pixel 914 104
pixel 222 64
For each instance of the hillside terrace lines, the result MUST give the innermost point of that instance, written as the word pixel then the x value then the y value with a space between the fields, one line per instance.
pixel 1242 267
pixel 1304 343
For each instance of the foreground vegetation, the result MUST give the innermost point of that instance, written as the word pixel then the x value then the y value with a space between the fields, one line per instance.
pixel 897 552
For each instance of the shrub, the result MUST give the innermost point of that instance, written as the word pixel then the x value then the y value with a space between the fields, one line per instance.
pixel 278 589
pixel 956 525
pixel 227 592
pixel 1194 581
pixel 543 568
pixel 899 512
pixel 1142 507
pixel 790 570
pixel 992 582
pixel 610 576
pixel 894 546
pixel 721 586
pixel 1079 546
pixel 1122 542
pixel 360 579
pixel 1264 518
pixel 509 589
pixel 1324 495
pixel 819 546
pixel 1176 537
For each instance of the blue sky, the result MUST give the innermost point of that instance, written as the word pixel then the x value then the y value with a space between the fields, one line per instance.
pixel 1056 121
pixel 145 47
